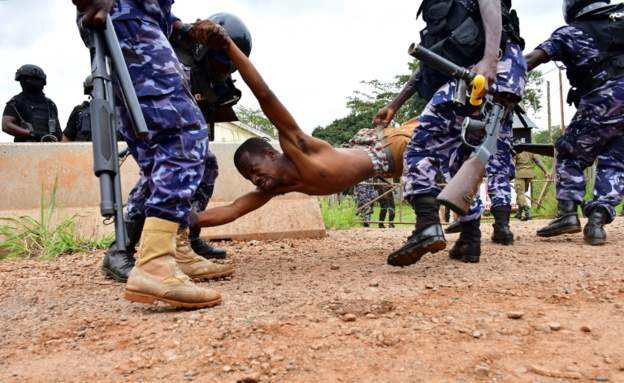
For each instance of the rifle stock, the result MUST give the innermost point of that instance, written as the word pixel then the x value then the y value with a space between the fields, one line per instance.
pixel 464 186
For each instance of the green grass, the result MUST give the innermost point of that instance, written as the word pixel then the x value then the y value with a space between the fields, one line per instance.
pixel 341 216
pixel 27 237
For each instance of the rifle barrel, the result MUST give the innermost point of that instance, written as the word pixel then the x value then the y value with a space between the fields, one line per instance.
pixel 440 63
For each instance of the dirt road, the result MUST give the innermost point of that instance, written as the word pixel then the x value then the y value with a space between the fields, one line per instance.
pixel 331 310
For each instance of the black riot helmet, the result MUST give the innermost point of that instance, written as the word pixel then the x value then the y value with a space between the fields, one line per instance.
pixel 573 9
pixel 32 71
pixel 238 32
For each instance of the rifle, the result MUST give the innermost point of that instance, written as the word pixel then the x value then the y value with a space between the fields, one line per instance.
pixel 547 150
pixel 107 57
pixel 462 188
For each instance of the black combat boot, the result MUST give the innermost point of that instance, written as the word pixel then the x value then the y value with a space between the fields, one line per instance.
pixel 117 264
pixel 427 237
pixel 566 222
pixel 527 213
pixel 519 212
pixel 594 233
pixel 502 233
pixel 204 248
pixel 468 246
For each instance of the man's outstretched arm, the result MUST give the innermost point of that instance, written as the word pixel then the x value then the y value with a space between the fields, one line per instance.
pixel 275 111
pixel 536 58
pixel 225 214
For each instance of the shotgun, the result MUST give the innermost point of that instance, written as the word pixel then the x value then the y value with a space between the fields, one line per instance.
pixel 106 53
pixel 459 193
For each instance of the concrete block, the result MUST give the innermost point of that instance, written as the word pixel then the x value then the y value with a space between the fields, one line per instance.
pixel 27 169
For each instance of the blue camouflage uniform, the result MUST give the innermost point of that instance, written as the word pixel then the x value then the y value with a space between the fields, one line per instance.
pixel 436 145
pixel 596 130
pixel 364 193
pixel 172 158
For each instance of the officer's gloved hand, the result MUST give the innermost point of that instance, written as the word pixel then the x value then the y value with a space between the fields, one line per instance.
pixel 208 33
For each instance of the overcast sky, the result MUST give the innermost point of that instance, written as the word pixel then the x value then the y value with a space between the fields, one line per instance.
pixel 312 53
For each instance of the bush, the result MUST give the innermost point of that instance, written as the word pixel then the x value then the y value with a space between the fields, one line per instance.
pixel 27 237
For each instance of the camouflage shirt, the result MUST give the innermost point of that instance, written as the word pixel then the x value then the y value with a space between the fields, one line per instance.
pixel 574 48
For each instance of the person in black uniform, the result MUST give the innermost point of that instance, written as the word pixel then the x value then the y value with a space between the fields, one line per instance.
pixel 31 116
pixel 78 126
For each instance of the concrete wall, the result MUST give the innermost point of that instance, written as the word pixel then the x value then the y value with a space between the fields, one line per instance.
pixel 27 168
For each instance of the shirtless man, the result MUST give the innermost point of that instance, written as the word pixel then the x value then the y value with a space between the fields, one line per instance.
pixel 308 165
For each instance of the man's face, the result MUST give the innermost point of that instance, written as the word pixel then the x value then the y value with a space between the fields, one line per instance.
pixel 261 170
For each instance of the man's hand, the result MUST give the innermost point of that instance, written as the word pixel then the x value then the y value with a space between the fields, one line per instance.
pixel 487 68
pixel 384 116
pixel 95 11
pixel 207 33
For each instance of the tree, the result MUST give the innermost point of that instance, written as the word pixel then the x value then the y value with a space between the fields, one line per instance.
pixel 256 119
pixel 364 104
pixel 533 92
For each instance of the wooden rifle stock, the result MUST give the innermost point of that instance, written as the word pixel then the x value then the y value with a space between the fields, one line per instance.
pixel 464 186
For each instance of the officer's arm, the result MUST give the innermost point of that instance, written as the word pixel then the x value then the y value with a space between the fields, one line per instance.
pixel 536 58
pixel 275 111
pixel 493 26
pixel 224 214
pixel 10 125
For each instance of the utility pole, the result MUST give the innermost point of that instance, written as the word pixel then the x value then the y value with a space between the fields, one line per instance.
pixel 548 108
pixel 562 126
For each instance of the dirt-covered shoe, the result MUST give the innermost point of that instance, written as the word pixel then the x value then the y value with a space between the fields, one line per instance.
pixel 428 240
pixel 156 275
pixel 566 222
pixel 195 266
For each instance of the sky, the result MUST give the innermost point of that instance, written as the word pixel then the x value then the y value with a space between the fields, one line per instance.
pixel 313 54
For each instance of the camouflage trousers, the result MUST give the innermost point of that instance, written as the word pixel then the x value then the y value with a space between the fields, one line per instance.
pixel 436 146
pixel 595 133
pixel 364 193
pixel 140 193
pixel 173 156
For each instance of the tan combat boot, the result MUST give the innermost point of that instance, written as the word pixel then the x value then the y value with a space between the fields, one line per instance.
pixel 156 275
pixel 195 266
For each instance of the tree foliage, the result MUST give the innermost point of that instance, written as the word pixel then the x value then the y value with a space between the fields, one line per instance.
pixel 363 106
pixel 256 119
pixel 533 92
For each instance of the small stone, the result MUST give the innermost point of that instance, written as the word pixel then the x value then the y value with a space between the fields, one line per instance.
pixel 482 370
pixel 601 378
pixel 253 378
pixel 374 283
pixel 515 314
pixel 334 267
pixel 554 326
pixel 227 368
pixel 190 375
pixel 608 360
pixel 123 318
pixel 618 306
pixel 477 334
pixel 348 317
pixel 429 286
pixel 586 328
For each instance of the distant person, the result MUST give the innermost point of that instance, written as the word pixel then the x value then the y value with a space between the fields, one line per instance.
pixel 78 126
pixel 364 195
pixel 524 177
pixel 387 207
pixel 30 116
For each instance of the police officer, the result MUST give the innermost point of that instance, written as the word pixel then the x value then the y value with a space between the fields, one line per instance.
pixel 591 46
pixel 31 116
pixel 386 202
pixel 483 34
pixel 78 126
pixel 172 157
pixel 524 177
pixel 209 73
pixel 364 194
